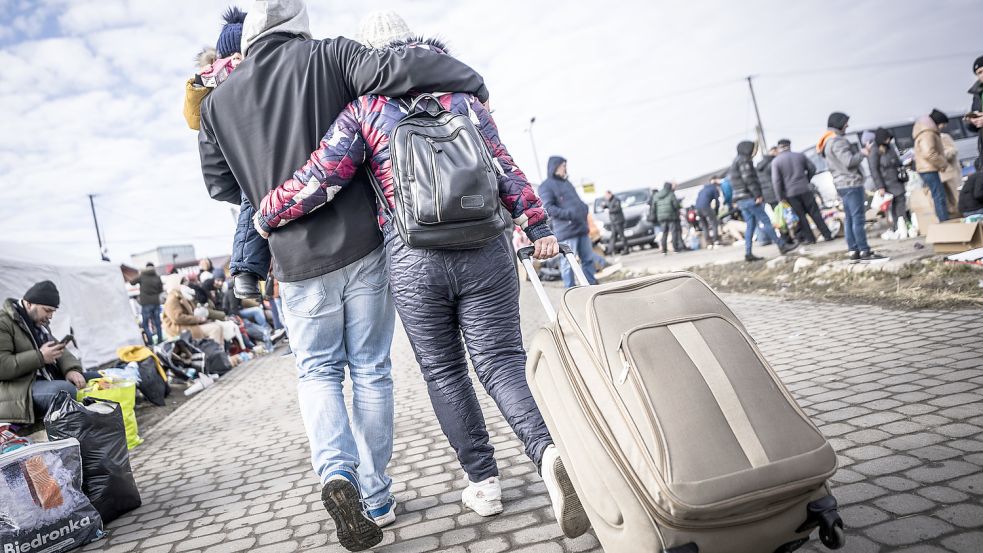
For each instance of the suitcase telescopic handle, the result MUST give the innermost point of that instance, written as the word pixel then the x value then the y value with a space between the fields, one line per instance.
pixel 525 257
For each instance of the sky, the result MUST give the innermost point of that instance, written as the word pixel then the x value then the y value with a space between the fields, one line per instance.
pixel 632 93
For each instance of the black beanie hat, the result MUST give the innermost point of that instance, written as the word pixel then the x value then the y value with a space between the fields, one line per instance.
pixel 938 117
pixel 43 293
pixel 977 64
pixel 837 120
pixel 882 136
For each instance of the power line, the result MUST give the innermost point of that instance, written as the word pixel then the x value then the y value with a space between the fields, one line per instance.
pixel 869 65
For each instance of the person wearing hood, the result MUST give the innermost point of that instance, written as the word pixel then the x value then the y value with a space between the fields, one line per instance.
pixel 974 119
pixel 844 159
pixel 749 198
pixel 442 295
pixel 791 175
pixel 666 207
pixel 930 161
pixel 151 287
pixel 568 214
pixel 886 170
pixel 265 118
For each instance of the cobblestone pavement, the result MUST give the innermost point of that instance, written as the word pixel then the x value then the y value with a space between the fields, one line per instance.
pixel 900 395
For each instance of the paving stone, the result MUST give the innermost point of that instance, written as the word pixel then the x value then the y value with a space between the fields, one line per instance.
pixel 904 504
pixel 887 465
pixel 860 516
pixel 966 515
pixel 969 542
pixel 907 531
pixel 940 471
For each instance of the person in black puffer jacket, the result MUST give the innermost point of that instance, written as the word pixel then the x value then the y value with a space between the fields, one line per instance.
pixel 747 195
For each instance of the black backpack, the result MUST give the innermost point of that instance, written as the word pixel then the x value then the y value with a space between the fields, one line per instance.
pixel 444 179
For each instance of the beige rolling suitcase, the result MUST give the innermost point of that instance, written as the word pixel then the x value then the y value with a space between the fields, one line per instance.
pixel 677 434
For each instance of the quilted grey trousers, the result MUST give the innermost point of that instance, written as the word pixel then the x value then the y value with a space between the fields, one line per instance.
pixel 444 295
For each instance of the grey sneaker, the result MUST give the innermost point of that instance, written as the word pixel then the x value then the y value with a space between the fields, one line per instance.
pixel 567 508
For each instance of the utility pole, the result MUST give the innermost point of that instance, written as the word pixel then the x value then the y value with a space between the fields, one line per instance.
pixel 92 204
pixel 757 115
pixel 535 156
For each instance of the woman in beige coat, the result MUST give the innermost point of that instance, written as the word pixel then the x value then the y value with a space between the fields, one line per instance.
pixel 179 315
pixel 952 175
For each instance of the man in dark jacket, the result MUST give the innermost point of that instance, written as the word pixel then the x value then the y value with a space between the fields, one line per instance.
pixel 747 194
pixel 256 128
pixel 616 222
pixel 764 177
pixel 34 368
pixel 569 215
pixel 151 288
pixel 666 206
pixel 791 173
pixel 974 119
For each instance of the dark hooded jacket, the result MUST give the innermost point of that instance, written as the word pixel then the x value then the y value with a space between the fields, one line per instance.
pixel 743 175
pixel 977 105
pixel 271 112
pixel 666 205
pixel 764 177
pixel 564 206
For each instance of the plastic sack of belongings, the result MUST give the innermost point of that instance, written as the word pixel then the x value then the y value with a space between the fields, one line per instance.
pixel 42 507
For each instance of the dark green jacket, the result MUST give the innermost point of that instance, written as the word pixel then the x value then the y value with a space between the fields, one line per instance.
pixel 666 205
pixel 151 287
pixel 20 359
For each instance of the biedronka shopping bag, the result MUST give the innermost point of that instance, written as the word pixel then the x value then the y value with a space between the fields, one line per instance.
pixel 123 392
pixel 42 507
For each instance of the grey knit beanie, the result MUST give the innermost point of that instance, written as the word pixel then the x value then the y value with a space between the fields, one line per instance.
pixel 380 28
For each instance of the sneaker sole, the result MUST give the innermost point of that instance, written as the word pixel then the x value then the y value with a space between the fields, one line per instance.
pixel 572 517
pixel 356 532
pixel 493 508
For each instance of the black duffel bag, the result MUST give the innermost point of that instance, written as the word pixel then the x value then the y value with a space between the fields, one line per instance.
pixel 107 479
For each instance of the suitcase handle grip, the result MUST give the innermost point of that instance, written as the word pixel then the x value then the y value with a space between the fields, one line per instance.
pixel 526 252
pixel 525 257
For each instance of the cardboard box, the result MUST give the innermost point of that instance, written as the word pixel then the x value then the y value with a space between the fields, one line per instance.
pixel 954 236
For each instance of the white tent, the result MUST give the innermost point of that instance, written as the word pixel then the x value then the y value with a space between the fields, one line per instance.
pixel 94 302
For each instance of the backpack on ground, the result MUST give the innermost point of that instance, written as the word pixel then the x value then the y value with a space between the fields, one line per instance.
pixel 444 179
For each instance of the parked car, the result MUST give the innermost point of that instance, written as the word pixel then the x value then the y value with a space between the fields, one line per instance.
pixel 635 204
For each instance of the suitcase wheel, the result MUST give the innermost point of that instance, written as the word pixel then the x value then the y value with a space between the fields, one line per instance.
pixel 833 537
pixel 822 513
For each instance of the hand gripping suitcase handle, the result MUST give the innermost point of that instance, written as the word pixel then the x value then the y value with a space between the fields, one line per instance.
pixel 525 257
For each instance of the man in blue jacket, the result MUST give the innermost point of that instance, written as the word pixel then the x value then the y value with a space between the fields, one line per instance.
pixel 569 215
pixel 708 207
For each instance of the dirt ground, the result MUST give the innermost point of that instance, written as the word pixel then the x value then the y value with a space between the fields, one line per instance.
pixel 924 284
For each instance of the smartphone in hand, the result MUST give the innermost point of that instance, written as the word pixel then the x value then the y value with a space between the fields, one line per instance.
pixel 64 341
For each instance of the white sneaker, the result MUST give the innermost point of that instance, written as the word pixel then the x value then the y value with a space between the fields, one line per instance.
pixel 484 498
pixel 195 388
pixel 567 508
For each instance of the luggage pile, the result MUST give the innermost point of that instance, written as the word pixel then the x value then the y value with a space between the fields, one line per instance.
pixel 676 432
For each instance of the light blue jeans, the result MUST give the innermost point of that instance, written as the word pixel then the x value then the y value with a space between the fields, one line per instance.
pixel 753 214
pixel 254 314
pixel 346 318
pixel 582 247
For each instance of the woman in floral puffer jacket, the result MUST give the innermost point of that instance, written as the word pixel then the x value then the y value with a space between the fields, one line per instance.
pixel 443 294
